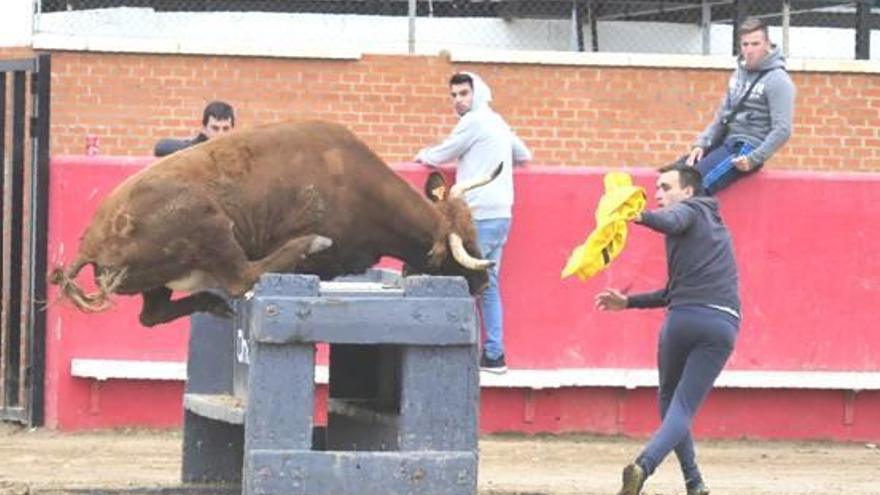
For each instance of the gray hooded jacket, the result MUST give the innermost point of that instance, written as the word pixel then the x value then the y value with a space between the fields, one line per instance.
pixel 764 121
pixel 480 141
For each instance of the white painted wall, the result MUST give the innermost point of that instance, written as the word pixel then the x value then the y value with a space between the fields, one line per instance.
pixel 16 22
pixel 142 29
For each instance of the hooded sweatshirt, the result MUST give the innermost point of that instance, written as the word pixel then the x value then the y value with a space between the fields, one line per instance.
pixel 699 257
pixel 167 146
pixel 764 121
pixel 480 141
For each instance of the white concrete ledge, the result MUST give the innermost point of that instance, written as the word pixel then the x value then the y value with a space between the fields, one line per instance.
pixel 824 65
pixel 640 378
pixel 607 59
pixel 107 369
pixel 123 369
pixel 110 369
pixel 110 44
pixel 48 41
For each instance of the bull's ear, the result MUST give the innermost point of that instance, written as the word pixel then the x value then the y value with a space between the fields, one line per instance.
pixel 435 187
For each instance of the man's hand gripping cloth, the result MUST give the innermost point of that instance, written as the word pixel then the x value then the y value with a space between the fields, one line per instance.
pixel 621 203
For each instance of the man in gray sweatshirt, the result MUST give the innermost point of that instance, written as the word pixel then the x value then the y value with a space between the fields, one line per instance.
pixel 480 141
pixel 701 324
pixel 750 125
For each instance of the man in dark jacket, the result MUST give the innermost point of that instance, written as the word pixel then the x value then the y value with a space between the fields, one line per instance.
pixel 701 324
pixel 218 118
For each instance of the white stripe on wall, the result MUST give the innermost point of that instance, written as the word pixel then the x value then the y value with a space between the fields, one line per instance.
pixel 115 369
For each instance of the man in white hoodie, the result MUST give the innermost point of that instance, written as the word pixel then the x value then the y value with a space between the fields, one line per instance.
pixel 480 141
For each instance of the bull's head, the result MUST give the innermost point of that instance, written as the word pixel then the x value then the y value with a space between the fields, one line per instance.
pixel 456 252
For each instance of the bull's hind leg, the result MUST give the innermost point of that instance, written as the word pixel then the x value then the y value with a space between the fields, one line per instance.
pixel 159 308
pixel 284 259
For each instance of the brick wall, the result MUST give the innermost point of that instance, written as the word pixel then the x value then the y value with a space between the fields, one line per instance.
pixel 15 52
pixel 398 104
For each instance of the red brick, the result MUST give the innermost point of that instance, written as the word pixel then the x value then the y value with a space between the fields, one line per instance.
pixel 398 104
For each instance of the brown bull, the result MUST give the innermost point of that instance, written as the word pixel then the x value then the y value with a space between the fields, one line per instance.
pixel 305 197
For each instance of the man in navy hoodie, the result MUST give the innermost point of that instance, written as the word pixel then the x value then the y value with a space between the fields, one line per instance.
pixel 750 126
pixel 217 118
pixel 701 324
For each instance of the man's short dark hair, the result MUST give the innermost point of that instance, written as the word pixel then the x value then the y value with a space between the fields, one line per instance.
pixel 687 176
pixel 752 24
pixel 220 110
pixel 461 78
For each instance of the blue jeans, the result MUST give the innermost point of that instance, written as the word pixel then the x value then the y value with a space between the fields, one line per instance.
pixel 695 342
pixel 491 236
pixel 717 166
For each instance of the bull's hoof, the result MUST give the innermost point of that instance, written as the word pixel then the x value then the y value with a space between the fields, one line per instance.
pixel 221 309
pixel 150 320
pixel 215 305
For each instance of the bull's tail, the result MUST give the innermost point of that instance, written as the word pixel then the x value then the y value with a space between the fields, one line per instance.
pixel 87 302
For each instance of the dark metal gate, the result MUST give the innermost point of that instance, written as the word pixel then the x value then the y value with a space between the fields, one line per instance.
pixel 24 184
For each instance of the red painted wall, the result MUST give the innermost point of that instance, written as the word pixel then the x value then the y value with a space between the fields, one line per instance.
pixel 76 187
pixel 805 243
pixel 728 413
pixel 810 282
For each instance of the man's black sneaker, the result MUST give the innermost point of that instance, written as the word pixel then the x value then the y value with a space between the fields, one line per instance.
pixel 699 489
pixel 633 479
pixel 490 365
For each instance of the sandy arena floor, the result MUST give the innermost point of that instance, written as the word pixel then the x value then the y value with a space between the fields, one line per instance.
pixel 45 462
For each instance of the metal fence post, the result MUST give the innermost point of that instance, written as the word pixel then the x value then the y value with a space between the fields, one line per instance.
pixel 786 25
pixel 706 27
pixel 739 14
pixel 863 30
pixel 412 26
pixel 36 341
pixel 594 25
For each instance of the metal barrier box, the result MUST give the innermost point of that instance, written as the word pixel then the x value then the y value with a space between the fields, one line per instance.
pixel 403 389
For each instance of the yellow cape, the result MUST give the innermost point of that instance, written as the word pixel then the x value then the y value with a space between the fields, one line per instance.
pixel 621 202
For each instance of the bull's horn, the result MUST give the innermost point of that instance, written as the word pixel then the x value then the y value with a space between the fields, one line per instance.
pixel 460 188
pixel 464 258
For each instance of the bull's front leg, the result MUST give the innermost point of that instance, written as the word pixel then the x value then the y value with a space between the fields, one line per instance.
pixel 226 265
pixel 159 308
pixel 284 259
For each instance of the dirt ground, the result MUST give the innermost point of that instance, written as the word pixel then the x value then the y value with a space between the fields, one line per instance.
pixel 45 462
